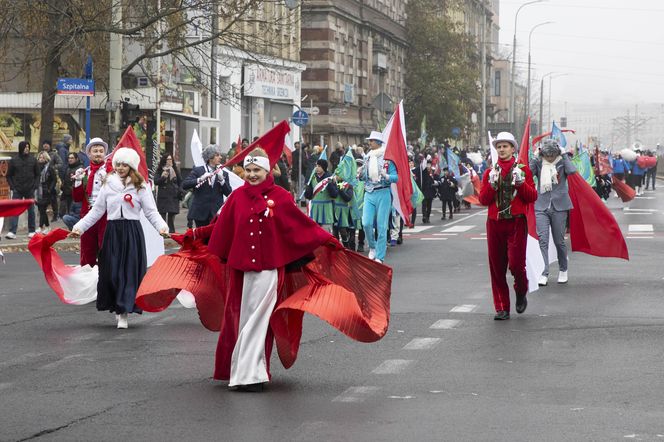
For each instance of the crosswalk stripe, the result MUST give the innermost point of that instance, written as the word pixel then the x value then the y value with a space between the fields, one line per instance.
pixel 445 324
pixel 464 308
pixel 458 229
pixel 640 228
pixel 421 343
pixel 356 394
pixel 393 366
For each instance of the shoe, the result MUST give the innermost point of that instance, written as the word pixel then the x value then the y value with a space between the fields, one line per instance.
pixel 442 217
pixel 10 235
pixel 360 248
pixel 562 277
pixel 249 388
pixel 45 231
pixel 393 243
pixel 451 217
pixel 400 240
pixel 122 321
pixel 521 303
pixel 501 316
pixel 378 260
pixel 372 253
pixel 543 280
pixel 31 234
pixel 38 230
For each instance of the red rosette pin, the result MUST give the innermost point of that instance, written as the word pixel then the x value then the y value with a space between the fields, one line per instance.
pixel 128 198
pixel 269 212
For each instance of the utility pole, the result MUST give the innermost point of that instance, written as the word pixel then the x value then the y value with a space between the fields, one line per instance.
pixel 483 30
pixel 115 74
pixel 156 144
pixel 627 126
pixel 541 110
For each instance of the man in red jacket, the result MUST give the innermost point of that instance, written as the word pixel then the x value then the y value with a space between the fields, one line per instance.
pixel 507 188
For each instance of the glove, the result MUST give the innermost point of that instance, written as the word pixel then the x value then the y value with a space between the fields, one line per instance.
pixel 383 173
pixel 494 175
pixel 518 176
pixel 204 177
pixel 78 177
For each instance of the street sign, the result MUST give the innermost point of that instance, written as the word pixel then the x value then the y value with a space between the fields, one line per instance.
pixel 300 118
pixel 456 132
pixel 76 86
pixel 311 110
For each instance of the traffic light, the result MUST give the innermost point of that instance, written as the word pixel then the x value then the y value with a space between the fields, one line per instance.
pixel 129 112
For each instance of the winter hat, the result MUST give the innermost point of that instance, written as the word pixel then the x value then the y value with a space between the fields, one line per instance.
pixel 128 156
pixel 66 138
pixel 550 148
pixel 323 164
pixel 96 142
pixel 506 136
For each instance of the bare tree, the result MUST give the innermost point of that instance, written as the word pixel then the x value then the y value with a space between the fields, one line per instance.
pixel 42 40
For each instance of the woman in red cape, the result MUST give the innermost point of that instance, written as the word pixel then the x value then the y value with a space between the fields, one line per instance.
pixel 274 263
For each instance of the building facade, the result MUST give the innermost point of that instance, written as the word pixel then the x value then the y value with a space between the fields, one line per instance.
pixel 354 52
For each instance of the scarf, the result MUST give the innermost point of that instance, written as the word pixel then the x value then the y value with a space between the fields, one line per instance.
pixel 374 173
pixel 549 174
pixel 91 177
pixel 171 172
pixel 42 180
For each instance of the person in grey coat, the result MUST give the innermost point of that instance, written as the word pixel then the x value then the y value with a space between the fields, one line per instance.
pixel 551 167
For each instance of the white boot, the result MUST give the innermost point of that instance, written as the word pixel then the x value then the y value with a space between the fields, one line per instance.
pixel 543 280
pixel 372 253
pixel 122 321
pixel 562 277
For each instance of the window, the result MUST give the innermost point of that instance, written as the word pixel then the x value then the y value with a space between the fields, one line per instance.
pixel 496 84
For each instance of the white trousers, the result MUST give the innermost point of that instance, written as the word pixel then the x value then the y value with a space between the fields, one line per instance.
pixel 259 295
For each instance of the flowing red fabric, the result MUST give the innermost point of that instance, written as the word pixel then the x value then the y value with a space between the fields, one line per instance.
pixel 49 261
pixel 343 288
pixel 396 152
pixel 540 137
pixel 524 159
pixel 593 229
pixel 625 192
pixel 272 142
pixel 130 140
pixel 477 187
pixel 14 207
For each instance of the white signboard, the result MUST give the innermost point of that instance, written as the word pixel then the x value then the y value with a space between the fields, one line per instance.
pixel 262 82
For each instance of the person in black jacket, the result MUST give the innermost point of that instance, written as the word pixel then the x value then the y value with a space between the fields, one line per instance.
pixel 66 200
pixel 168 195
pixel 447 191
pixel 428 182
pixel 45 189
pixel 23 179
pixel 209 185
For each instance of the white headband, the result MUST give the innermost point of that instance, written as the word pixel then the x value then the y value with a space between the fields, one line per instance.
pixel 259 161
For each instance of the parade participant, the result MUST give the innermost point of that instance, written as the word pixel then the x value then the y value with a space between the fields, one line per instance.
pixel 23 179
pixel 321 191
pixel 507 189
pixel 45 189
pixel 358 196
pixel 651 174
pixel 209 188
pixel 428 183
pixel 123 260
pixel 447 190
pixel 377 175
pixel 552 167
pixel 345 219
pixel 87 184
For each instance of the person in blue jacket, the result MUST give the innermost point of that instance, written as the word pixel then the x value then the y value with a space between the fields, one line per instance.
pixel 377 174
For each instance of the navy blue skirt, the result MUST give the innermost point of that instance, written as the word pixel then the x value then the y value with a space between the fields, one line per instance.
pixel 122 266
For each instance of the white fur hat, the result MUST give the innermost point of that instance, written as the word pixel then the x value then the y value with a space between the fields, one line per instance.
pixel 128 156
pixel 96 142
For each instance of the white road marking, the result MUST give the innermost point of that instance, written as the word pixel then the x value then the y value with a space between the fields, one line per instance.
pixel 481 212
pixel 645 197
pixel 401 397
pixel 640 228
pixel 433 239
pixel 421 344
pixel 417 229
pixel 464 308
pixel 356 394
pixel 445 324
pixel 479 237
pixel 445 234
pixel 458 229
pixel 640 237
pixel 639 213
pixel 393 366
pixel 627 209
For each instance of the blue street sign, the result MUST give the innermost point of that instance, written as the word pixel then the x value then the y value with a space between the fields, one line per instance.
pixel 300 118
pixel 76 86
pixel 456 131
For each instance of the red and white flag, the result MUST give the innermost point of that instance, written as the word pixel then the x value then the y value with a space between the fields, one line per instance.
pixel 396 151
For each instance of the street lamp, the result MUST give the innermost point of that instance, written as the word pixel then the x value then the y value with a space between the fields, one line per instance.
pixel 551 76
pixel 530 35
pixel 512 113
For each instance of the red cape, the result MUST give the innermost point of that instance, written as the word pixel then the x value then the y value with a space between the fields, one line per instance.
pixel 341 287
pixel 625 192
pixel 593 229
pixel 14 207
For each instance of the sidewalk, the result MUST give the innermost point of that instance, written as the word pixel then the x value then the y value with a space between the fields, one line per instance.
pixel 20 244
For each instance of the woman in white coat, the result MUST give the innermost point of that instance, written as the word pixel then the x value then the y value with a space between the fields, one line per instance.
pixel 122 260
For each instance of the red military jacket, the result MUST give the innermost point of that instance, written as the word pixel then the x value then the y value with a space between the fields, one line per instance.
pixel 261 228
pixel 525 194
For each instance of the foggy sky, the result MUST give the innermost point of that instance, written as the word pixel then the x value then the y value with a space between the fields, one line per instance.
pixel 611 50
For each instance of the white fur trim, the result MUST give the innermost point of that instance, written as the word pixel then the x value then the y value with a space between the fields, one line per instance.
pixel 127 156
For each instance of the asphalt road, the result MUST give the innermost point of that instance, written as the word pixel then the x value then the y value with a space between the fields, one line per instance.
pixel 583 363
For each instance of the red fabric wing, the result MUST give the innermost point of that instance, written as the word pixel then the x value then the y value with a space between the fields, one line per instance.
pixel 593 229
pixel 49 261
pixel 625 192
pixel 14 207
pixel 193 269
